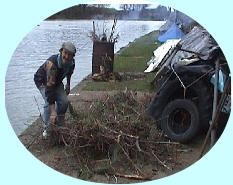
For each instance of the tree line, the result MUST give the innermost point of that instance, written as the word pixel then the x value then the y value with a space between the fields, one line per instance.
pixel 103 11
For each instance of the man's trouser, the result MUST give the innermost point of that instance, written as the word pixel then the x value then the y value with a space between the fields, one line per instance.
pixel 61 106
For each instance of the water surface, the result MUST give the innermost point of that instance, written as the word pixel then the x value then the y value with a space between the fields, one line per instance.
pixel 45 40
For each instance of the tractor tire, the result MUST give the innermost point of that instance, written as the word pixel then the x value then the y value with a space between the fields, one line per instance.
pixel 200 93
pixel 180 120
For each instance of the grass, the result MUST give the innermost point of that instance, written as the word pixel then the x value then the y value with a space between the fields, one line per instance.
pixel 132 58
pixel 134 85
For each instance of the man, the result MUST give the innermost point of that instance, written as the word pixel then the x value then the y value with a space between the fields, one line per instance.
pixel 48 80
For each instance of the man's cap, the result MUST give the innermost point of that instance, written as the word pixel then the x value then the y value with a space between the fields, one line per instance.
pixel 69 47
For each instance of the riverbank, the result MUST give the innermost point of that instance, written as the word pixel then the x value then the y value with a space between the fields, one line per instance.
pixel 44 41
pixel 168 157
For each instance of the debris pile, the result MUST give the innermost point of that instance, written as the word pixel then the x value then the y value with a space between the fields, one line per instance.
pixel 117 131
pixel 105 75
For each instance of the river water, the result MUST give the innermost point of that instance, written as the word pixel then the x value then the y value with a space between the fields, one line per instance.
pixel 44 40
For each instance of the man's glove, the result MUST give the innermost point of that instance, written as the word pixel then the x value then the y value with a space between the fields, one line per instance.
pixel 67 89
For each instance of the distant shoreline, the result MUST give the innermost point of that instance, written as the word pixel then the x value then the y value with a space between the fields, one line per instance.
pixel 104 12
pixel 101 20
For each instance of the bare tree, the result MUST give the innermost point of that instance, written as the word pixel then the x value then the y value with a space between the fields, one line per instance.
pixel 124 7
pixel 133 7
pixel 101 5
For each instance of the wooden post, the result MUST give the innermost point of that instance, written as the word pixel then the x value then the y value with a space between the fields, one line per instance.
pixel 213 131
pixel 94 35
pixel 219 107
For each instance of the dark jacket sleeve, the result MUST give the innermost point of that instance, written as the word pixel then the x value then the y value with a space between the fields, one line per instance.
pixel 51 71
pixel 71 69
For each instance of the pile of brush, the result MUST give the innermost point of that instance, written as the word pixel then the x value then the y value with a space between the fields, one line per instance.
pixel 116 130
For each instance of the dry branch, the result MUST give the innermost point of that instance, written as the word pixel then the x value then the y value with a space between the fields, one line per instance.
pixel 134 177
pixel 131 161
pixel 162 163
pixel 103 36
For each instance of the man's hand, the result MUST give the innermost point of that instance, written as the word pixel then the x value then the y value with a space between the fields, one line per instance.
pixel 53 118
pixel 67 89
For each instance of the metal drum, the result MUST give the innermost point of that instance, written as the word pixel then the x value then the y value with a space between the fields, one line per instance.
pixel 103 55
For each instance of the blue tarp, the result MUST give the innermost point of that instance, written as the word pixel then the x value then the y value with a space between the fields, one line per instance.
pixel 173 32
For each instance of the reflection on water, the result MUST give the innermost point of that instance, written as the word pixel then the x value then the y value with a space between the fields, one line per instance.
pixel 45 40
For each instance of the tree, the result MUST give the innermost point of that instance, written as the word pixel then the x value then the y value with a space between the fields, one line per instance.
pixel 133 7
pixel 101 5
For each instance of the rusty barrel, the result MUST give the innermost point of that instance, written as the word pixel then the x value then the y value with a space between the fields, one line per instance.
pixel 103 54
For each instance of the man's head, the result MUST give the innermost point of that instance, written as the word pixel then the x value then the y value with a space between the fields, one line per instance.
pixel 67 51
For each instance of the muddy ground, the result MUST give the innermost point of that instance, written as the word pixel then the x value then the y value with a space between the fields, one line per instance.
pixel 60 157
